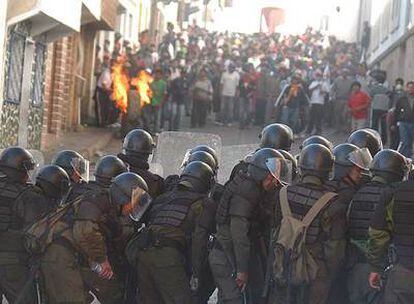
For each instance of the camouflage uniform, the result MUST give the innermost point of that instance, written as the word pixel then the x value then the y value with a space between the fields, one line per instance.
pixel 96 230
pixel 20 206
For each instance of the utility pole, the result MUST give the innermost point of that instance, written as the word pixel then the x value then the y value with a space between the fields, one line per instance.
pixel 205 12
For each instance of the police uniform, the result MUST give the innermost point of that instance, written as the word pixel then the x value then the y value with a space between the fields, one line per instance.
pixel 139 166
pixel 364 203
pixel 20 205
pixel 393 222
pixel 163 260
pixel 325 240
pixel 95 231
pixel 60 262
pixel 238 237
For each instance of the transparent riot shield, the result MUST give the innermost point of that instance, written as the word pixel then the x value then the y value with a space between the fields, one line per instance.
pixel 172 147
pixel 231 156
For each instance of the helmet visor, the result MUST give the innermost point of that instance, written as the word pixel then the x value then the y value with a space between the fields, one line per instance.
pixel 140 201
pixel 81 167
pixel 409 168
pixel 361 158
pixel 280 169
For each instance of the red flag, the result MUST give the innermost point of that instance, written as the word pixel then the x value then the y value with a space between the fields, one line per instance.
pixel 274 16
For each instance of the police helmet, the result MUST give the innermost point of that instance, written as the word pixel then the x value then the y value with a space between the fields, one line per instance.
pixel 317 160
pixel 138 142
pixel 53 180
pixel 276 136
pixel 294 162
pixel 204 157
pixel 72 162
pixel 342 163
pixel 267 161
pixel 366 138
pixel 17 159
pixel 199 174
pixel 122 186
pixel 316 139
pixel 390 164
pixel 107 168
pixel 207 149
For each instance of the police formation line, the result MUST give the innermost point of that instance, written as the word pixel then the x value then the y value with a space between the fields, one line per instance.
pixel 331 225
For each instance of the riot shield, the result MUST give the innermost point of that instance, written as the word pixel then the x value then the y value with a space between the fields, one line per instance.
pixel 232 155
pixel 172 147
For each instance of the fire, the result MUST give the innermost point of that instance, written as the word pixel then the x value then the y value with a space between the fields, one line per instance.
pixel 142 83
pixel 120 86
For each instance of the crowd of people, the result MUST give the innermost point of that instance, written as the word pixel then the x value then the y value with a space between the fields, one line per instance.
pixel 333 225
pixel 306 81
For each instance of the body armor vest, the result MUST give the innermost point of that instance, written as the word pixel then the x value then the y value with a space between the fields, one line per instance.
pixel 403 215
pixel 241 185
pixel 301 198
pixel 171 209
pixel 9 192
pixel 362 208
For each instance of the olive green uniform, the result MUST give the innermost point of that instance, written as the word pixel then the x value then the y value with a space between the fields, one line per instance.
pixel 325 241
pixel 364 203
pixel 394 222
pixel 95 231
pixel 163 263
pixel 20 206
pixel 241 234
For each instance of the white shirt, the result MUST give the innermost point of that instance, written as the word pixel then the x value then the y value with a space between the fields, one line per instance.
pixel 230 82
pixel 105 80
pixel 317 95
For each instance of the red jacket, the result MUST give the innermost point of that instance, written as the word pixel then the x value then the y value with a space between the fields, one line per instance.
pixel 359 103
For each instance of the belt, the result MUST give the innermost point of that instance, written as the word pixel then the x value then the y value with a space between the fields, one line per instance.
pixel 159 240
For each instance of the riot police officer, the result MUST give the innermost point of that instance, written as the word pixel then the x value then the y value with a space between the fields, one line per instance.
pixel 77 168
pixel 137 146
pixel 316 139
pixel 388 168
pixel 292 160
pixel 96 228
pixel 20 205
pixel 391 234
pixel 208 149
pixel 58 262
pixel 274 136
pixel 350 164
pixel 326 232
pixel 129 194
pixel 366 138
pixel 237 259
pixel 170 238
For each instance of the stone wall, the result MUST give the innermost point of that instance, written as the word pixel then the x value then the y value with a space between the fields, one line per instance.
pixel 400 61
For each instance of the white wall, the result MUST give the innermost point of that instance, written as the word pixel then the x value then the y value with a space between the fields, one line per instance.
pixel 3 11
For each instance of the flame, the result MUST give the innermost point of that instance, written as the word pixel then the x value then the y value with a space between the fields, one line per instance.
pixel 120 86
pixel 142 83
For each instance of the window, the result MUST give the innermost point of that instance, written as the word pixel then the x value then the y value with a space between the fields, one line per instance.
pixel 15 58
pixel 395 15
pixel 38 77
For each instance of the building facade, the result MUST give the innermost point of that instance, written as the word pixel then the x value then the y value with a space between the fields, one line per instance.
pixel 392 37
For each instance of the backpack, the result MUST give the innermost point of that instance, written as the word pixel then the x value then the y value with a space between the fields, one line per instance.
pixel 294 265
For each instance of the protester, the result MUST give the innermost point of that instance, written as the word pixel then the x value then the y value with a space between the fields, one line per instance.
pixel 202 97
pixel 229 92
pixel 404 111
pixel 358 103
pixel 318 88
pixel 340 92
pixel 159 90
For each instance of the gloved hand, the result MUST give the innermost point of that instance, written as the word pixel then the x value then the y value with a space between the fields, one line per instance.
pixel 194 284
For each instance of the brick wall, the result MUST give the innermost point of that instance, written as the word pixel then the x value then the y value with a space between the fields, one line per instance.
pixel 59 81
